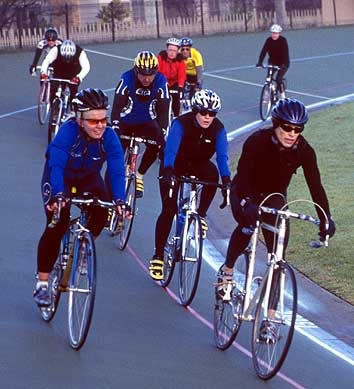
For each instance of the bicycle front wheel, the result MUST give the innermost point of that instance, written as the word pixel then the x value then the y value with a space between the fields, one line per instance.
pixel 265 103
pixel 125 228
pixel 43 105
pixel 169 260
pixel 82 289
pixel 274 323
pixel 191 259
pixel 54 119
pixel 229 306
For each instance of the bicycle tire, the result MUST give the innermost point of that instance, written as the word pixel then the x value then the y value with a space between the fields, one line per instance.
pixel 269 350
pixel 55 293
pixel 130 198
pixel 265 102
pixel 54 119
pixel 43 105
pixel 169 258
pixel 191 259
pixel 82 289
pixel 227 313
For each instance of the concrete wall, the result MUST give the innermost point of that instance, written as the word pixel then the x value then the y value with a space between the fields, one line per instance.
pixel 341 10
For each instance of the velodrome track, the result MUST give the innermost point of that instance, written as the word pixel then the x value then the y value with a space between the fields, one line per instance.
pixel 140 337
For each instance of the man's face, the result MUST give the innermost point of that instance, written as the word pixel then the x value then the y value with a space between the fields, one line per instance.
pixel 205 118
pixel 145 80
pixel 287 138
pixel 172 51
pixel 275 35
pixel 186 51
pixel 93 122
pixel 51 42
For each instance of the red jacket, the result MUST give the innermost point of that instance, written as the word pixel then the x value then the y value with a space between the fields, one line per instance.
pixel 174 70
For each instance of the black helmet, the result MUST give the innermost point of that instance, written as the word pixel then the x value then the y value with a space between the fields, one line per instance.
pixel 185 41
pixel 51 34
pixel 290 111
pixel 90 98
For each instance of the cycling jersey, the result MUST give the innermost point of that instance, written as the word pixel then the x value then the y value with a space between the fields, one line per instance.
pixel 134 104
pixel 43 46
pixel 277 50
pixel 188 143
pixel 72 156
pixel 193 61
pixel 173 69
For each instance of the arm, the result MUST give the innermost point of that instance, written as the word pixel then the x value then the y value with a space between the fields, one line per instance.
pixel 37 55
pixel 173 142
pixel 49 59
pixel 162 105
pixel 181 74
pixel 286 54
pixel 85 65
pixel 115 163
pixel 120 101
pixel 222 154
pixel 198 61
pixel 263 53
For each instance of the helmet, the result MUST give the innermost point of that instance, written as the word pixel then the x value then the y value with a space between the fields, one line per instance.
pixel 185 41
pixel 276 28
pixel 90 98
pixel 173 41
pixel 68 50
pixel 146 63
pixel 206 99
pixel 51 34
pixel 290 111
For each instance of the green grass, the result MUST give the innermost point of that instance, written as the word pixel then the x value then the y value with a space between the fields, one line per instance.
pixel 331 134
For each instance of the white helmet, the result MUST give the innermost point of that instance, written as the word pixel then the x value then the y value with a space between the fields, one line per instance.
pixel 206 99
pixel 276 28
pixel 68 50
pixel 173 41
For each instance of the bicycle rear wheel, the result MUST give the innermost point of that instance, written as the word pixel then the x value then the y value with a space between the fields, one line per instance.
pixel 169 255
pixel 227 312
pixel 82 289
pixel 265 103
pixel 191 259
pixel 43 105
pixel 53 286
pixel 54 119
pixel 126 225
pixel 273 331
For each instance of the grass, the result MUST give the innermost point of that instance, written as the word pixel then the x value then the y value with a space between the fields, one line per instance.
pixel 330 133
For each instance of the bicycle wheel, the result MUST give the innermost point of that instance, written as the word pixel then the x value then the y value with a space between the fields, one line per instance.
pixel 43 105
pixel 82 289
pixel 169 255
pixel 54 119
pixel 127 224
pixel 191 259
pixel 53 285
pixel 227 312
pixel 273 331
pixel 265 103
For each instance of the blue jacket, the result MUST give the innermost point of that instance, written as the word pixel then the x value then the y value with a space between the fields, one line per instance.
pixel 73 156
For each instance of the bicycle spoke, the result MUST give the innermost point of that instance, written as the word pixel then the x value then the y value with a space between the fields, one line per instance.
pixel 265 103
pixel 125 228
pixel 274 323
pixel 169 255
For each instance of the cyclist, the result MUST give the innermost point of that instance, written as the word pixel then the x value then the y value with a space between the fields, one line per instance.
pixel 74 159
pixel 70 62
pixel 141 106
pixel 171 64
pixel 50 40
pixel 193 139
pixel 194 65
pixel 268 160
pixel 276 46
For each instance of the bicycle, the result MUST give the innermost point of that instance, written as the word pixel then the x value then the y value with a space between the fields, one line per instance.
pixel 59 107
pixel 186 100
pixel 120 225
pixel 269 92
pixel 185 242
pixel 269 301
pixel 43 101
pixel 75 271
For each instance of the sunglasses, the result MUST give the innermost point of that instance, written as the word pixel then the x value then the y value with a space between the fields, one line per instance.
pixel 205 112
pixel 51 40
pixel 289 128
pixel 96 122
pixel 185 49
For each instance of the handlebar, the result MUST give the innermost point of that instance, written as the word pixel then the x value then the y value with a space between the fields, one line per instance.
pixel 275 67
pixel 62 80
pixel 139 139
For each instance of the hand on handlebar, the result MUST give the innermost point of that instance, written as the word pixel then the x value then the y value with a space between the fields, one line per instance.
pixel 259 65
pixel 44 77
pixel 32 70
pixel 123 209
pixel 75 80
pixel 226 181
pixel 330 231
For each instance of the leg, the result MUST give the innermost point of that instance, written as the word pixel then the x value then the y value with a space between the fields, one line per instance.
pixel 279 80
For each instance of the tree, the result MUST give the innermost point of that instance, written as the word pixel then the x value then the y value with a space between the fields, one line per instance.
pixel 280 12
pixel 12 10
pixel 115 10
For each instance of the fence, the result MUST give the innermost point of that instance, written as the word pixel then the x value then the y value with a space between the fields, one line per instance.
pixel 153 19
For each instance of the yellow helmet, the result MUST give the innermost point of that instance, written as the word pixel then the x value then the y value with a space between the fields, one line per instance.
pixel 146 63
